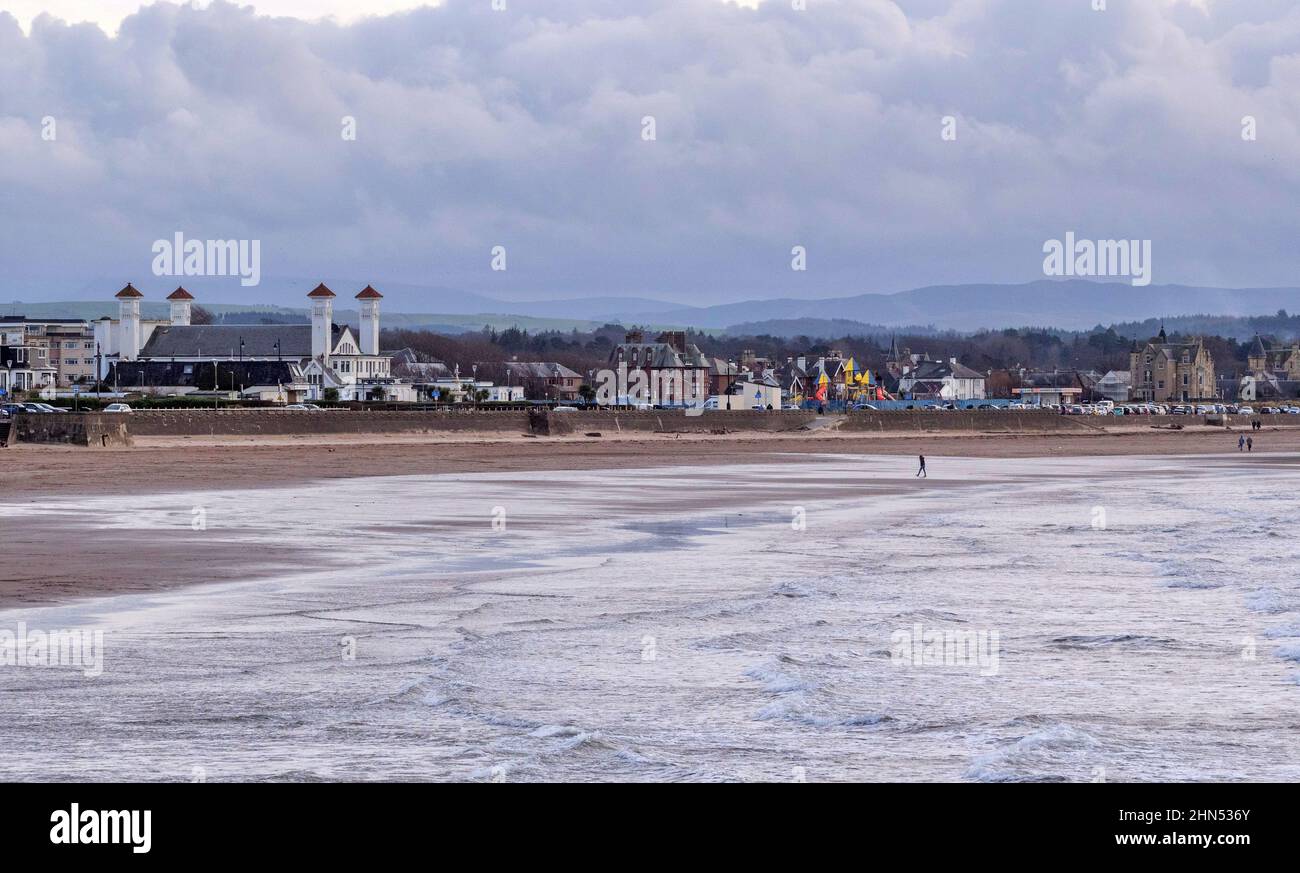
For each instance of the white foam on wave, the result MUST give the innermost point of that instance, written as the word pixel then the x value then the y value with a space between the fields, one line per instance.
pixel 1044 754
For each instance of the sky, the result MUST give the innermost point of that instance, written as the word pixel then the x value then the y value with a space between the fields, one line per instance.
pixel 774 127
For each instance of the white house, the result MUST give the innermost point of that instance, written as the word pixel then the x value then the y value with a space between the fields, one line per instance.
pixel 319 357
pixel 941 380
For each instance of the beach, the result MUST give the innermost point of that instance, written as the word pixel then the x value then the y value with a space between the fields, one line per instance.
pixel 742 610
pixel 68 556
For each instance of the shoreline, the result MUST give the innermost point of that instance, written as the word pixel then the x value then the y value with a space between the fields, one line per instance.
pixel 169 464
pixel 69 555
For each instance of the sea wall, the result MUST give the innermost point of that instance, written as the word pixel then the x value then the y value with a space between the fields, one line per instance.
pixel 279 422
pixel 546 423
pixel 91 430
pixel 106 429
pixel 972 421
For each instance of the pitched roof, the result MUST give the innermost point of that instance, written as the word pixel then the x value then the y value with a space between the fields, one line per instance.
pixel 320 291
pixel 129 291
pixel 202 374
pixel 422 371
pixel 927 370
pixel 180 294
pixel 540 370
pixel 366 293
pixel 222 340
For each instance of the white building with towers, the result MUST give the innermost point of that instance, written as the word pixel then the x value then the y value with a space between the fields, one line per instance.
pixel 287 362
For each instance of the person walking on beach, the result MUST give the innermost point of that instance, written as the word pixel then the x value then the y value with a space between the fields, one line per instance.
pixel 1241 443
pixel 1250 444
pixel 921 472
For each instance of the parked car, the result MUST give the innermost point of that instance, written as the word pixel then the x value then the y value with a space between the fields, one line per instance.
pixel 575 409
pixel 864 407
pixel 117 407
pixel 12 408
pixel 298 407
pixel 1245 410
pixel 34 407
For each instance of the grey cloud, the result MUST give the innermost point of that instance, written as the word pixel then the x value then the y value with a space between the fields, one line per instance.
pixel 775 127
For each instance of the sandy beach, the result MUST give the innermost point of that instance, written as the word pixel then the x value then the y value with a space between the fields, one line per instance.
pixel 65 557
pixel 157 464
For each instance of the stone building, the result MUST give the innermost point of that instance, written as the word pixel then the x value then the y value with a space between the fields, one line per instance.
pixel 1163 371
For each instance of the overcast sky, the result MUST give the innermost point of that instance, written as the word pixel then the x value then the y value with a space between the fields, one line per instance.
pixel 775 127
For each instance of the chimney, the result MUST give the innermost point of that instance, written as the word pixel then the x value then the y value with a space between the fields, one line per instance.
pixel 369 298
pixel 322 323
pixel 676 339
pixel 180 300
pixel 128 323
pixel 634 336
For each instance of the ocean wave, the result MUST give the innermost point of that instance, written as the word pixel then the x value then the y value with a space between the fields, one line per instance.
pixel 1047 754
pixel 793 589
pixel 776 681
pixel 797 709
pixel 1288 653
pixel 1268 602
pixel 1079 641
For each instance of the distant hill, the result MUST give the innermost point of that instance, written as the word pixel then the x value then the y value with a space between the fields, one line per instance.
pixel 823 327
pixel 233 313
pixel 1073 304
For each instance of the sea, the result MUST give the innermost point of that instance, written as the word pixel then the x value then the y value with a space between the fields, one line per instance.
pixel 823 618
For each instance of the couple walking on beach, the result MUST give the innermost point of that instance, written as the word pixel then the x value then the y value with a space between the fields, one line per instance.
pixel 1245 442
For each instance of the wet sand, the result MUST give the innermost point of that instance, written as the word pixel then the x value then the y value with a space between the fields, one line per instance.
pixel 157 465
pixel 64 557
